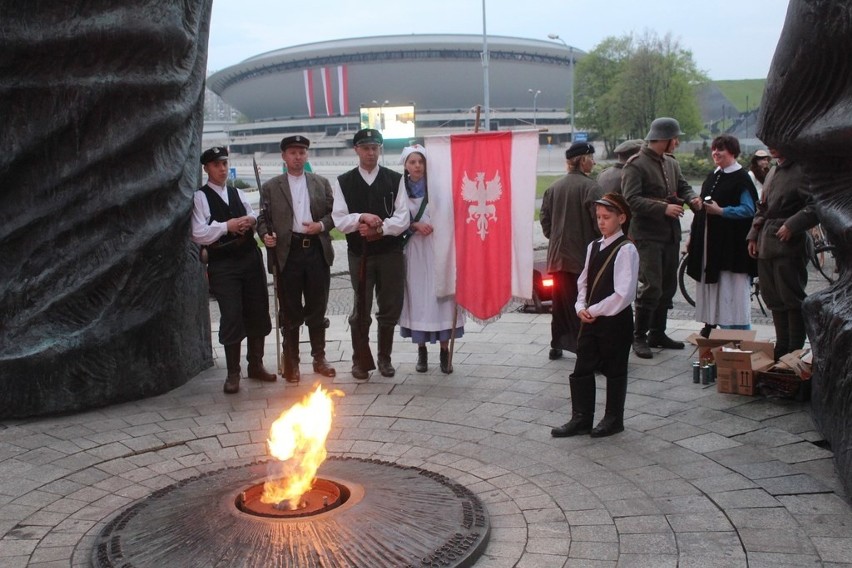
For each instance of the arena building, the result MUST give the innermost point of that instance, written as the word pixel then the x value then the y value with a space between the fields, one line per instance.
pixel 322 89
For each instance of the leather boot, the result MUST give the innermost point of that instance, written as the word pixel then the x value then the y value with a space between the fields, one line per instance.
pixel 255 361
pixel 582 408
pixel 781 320
pixel 385 348
pixel 291 355
pixel 359 369
pixel 798 332
pixel 640 333
pixel 422 360
pixel 445 362
pixel 613 420
pixel 232 361
pixel 657 332
pixel 321 366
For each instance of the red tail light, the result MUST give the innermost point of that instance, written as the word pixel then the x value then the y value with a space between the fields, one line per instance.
pixel 547 282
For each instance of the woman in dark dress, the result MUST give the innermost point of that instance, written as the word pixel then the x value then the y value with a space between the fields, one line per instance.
pixel 718 250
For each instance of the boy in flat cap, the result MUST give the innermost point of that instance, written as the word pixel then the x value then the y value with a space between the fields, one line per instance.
pixel 295 225
pixel 568 222
pixel 372 212
pixel 223 221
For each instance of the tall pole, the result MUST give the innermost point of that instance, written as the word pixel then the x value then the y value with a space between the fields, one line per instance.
pixel 571 66
pixel 571 74
pixel 536 93
pixel 485 94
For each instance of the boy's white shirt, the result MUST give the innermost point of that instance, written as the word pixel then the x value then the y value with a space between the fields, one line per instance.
pixel 625 279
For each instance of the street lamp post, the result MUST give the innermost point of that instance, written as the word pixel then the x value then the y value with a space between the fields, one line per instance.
pixel 535 93
pixel 570 49
pixel 381 123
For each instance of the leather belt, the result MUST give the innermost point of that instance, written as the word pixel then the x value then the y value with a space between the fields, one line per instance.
pixel 299 240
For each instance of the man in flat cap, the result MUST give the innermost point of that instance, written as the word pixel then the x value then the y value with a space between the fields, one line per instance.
pixel 371 210
pixel 656 191
pixel 295 224
pixel 223 222
pixel 610 178
pixel 568 221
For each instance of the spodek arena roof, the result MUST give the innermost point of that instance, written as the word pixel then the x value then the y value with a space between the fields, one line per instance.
pixel 436 72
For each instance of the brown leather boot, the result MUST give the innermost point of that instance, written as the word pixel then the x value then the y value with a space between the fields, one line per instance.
pixel 232 362
pixel 321 366
pixel 255 361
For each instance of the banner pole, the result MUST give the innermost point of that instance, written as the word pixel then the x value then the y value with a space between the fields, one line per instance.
pixel 456 311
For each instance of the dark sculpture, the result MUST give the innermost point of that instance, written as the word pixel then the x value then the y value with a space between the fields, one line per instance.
pixel 102 297
pixel 807 113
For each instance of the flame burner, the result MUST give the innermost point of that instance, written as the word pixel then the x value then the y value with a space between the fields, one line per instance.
pixel 324 496
pixel 379 514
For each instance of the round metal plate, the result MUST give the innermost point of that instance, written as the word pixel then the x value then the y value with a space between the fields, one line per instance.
pixel 396 516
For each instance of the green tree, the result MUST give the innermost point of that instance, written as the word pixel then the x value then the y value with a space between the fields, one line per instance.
pixel 623 84
pixel 596 77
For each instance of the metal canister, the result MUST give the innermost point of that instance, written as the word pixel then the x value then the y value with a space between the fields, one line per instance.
pixel 713 371
pixel 706 374
pixel 696 372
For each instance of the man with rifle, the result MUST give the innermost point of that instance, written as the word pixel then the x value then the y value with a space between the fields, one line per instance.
pixel 371 211
pixel 223 223
pixel 295 222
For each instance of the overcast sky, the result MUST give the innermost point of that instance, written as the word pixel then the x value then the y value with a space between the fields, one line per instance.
pixel 729 39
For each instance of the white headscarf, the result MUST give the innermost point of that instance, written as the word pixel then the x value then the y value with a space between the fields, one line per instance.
pixel 408 150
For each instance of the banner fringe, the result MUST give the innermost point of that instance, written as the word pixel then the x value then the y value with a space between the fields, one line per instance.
pixel 506 308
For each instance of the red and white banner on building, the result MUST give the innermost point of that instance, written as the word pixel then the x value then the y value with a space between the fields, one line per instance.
pixel 343 89
pixel 309 90
pixel 326 90
pixel 482 195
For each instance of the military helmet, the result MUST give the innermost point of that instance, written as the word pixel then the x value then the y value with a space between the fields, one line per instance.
pixel 664 128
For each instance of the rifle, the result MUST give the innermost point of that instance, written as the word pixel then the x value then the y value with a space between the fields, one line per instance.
pixel 361 339
pixel 267 216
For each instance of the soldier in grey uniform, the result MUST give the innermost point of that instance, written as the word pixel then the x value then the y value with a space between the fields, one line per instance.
pixel 656 190
pixel 610 178
pixel 778 239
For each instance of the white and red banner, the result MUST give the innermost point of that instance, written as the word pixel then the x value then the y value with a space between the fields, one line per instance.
pixel 343 89
pixel 309 90
pixel 326 90
pixel 327 76
pixel 482 195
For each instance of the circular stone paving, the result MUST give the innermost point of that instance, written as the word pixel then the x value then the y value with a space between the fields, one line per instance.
pixel 394 516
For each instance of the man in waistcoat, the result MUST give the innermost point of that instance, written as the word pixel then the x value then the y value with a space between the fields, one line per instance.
pixel 656 191
pixel 371 211
pixel 223 223
pixel 295 221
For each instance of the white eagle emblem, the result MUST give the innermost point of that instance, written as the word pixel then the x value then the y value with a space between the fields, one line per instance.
pixel 481 192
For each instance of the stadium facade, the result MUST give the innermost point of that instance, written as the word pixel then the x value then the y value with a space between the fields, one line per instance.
pixel 319 89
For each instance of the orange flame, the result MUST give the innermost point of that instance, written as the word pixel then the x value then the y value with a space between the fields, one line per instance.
pixel 297 438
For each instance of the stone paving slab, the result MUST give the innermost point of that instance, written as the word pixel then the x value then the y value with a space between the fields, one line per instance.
pixel 698 478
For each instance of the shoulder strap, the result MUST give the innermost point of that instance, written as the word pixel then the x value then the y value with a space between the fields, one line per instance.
pixel 605 264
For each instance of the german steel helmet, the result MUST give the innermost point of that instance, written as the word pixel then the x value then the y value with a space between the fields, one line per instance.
pixel 664 128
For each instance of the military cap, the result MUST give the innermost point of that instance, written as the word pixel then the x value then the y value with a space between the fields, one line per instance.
pixel 367 136
pixel 297 140
pixel 214 154
pixel 629 147
pixel 579 149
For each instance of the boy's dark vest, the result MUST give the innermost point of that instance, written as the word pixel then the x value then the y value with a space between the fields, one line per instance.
pixel 220 211
pixel 377 199
pixel 606 283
